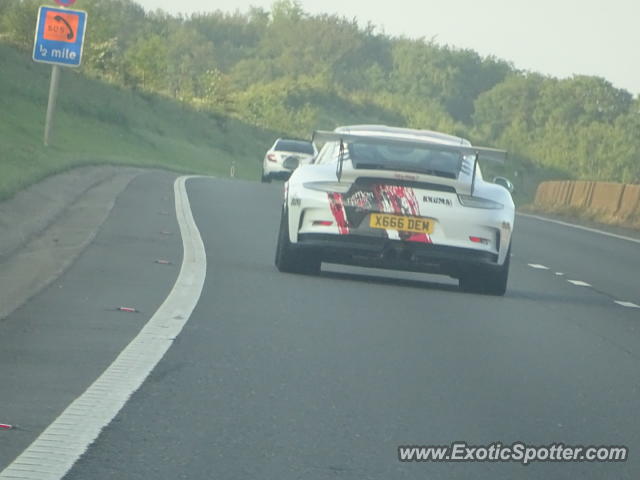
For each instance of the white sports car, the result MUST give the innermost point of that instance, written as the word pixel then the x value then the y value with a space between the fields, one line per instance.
pixel 283 148
pixel 402 199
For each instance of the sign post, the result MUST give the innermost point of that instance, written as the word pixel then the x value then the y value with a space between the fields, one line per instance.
pixel 51 105
pixel 59 41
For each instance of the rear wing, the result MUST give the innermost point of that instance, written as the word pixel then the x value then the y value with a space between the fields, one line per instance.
pixel 489 154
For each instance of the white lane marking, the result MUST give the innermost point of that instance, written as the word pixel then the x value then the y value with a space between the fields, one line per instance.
pixel 627 304
pixel 580 227
pixel 538 267
pixel 559 274
pixel 579 283
pixel 55 451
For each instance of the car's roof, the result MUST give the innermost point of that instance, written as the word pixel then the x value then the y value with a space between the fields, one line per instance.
pixel 408 133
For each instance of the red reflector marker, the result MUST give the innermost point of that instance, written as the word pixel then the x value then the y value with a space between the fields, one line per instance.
pixel 128 310
pixel 5 426
pixel 322 223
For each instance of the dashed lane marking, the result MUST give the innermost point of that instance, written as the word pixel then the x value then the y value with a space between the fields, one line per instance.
pixel 579 283
pixel 538 266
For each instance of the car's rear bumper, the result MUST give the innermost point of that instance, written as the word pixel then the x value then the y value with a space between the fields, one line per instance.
pixel 396 254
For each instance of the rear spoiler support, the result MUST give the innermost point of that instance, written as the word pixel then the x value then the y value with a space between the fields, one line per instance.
pixel 473 174
pixel 340 161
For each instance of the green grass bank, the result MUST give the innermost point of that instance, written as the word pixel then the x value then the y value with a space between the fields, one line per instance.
pixel 98 123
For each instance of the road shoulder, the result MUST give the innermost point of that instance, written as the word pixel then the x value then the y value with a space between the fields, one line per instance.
pixel 63 338
pixel 614 230
pixel 47 226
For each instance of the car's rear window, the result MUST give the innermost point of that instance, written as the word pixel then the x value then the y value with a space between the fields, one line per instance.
pixel 298 146
pixel 405 158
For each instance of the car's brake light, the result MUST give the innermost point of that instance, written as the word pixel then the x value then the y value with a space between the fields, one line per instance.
pixel 481 240
pixel 272 157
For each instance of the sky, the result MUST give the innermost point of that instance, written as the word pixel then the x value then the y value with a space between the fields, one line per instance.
pixel 554 37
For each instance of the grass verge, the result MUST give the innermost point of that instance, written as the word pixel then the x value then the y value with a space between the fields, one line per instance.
pixel 98 123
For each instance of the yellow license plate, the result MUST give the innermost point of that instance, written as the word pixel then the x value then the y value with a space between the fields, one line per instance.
pixel 403 224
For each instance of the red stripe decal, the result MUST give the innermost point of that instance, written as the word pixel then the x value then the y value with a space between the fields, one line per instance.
pixel 337 209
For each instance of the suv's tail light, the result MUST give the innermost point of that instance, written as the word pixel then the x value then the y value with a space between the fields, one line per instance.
pixel 272 157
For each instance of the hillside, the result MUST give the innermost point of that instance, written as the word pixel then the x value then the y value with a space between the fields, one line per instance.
pixel 97 123
pixel 188 88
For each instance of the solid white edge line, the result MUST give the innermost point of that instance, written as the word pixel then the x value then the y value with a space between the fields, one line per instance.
pixel 580 227
pixel 627 304
pixel 57 449
pixel 579 283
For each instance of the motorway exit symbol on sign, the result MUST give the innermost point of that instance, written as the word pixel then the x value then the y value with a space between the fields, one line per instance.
pixel 59 36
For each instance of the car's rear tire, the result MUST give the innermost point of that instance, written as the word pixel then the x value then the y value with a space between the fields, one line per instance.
pixel 487 281
pixel 290 260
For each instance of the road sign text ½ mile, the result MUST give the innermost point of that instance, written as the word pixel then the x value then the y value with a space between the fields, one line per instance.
pixel 60 36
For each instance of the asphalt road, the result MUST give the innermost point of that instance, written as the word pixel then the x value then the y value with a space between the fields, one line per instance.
pixel 279 376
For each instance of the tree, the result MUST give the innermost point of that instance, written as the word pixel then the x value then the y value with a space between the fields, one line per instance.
pixel 453 77
pixel 284 12
pixel 105 59
pixel 18 21
pixel 4 6
pixel 146 62
pixel 189 55
pixel 218 92
pixel 581 100
pixel 510 105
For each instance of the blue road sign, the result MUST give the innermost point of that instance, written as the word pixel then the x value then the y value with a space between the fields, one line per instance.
pixel 59 36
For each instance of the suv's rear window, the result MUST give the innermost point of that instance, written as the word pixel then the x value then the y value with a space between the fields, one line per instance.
pixel 298 146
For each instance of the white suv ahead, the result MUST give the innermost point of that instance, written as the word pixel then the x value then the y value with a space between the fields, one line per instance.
pixel 302 151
